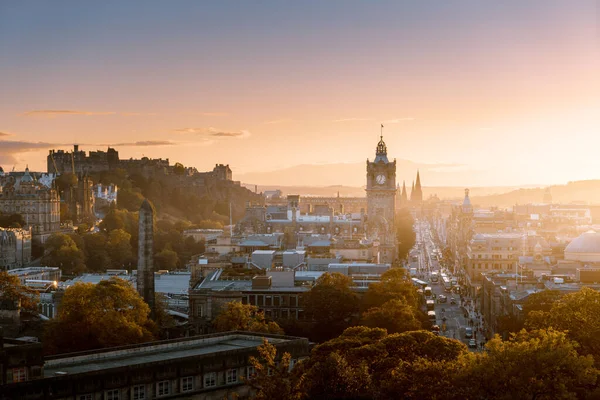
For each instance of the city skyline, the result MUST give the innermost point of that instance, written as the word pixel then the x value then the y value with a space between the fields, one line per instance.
pixel 501 93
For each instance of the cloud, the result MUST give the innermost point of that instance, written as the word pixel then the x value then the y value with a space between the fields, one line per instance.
pixel 143 143
pixel 5 134
pixel 57 113
pixel 212 132
pixel 397 120
pixel 9 149
pixel 351 119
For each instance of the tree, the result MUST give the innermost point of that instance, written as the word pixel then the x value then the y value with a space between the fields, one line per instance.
pixel 119 248
pixel 244 317
pixel 576 313
pixel 129 199
pixel 405 234
pixel 166 259
pixel 12 291
pixel 272 379
pixel 395 316
pixel 110 313
pixel 331 304
pixel 393 286
pixel 61 251
pixel 96 257
pixel 542 364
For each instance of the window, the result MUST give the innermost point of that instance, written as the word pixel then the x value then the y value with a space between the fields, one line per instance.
pixel 231 376
pixel 112 394
pixel 210 379
pixel 250 372
pixel 85 397
pixel 139 392
pixel 163 388
pixel 19 374
pixel 187 383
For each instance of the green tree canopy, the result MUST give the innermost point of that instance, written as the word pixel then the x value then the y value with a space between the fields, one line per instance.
pixel 110 313
pixel 395 316
pixel 61 251
pixel 393 286
pixel 236 316
pixel 119 248
pixel 331 304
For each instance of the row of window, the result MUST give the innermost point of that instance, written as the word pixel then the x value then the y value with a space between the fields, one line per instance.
pixel 493 266
pixel 269 300
pixel 165 388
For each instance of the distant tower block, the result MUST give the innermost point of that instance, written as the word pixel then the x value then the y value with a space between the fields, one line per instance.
pixel 145 269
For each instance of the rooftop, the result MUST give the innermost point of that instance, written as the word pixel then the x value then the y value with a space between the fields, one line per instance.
pixel 156 352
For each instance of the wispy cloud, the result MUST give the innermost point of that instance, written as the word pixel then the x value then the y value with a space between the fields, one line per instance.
pixel 9 149
pixel 58 113
pixel 144 143
pixel 213 132
pixel 351 119
pixel 397 120
pixel 63 113
pixel 5 134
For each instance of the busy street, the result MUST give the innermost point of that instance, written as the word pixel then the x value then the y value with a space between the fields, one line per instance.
pixel 454 314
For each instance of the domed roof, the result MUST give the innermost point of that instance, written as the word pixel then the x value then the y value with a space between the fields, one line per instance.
pixel 588 242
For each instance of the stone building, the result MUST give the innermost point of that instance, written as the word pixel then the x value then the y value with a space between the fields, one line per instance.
pixel 210 367
pixel 39 205
pixel 145 268
pixel 15 248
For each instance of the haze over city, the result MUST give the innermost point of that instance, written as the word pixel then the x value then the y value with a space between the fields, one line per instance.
pixel 472 93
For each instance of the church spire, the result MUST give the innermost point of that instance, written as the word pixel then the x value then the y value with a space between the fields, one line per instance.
pixel 417 195
pixel 404 198
pixel 412 192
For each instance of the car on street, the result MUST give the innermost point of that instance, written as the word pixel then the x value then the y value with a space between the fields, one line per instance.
pixel 452 300
pixel 472 344
pixel 468 333
pixel 442 299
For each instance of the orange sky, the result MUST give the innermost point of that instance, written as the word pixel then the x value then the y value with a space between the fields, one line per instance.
pixel 510 92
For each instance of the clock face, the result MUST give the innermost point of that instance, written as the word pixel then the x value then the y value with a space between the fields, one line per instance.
pixel 380 179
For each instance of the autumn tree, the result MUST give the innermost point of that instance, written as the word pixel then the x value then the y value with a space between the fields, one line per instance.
pixel 236 316
pixel 331 305
pixel 576 313
pixel 12 292
pixel 542 364
pixel 272 378
pixel 61 251
pixel 110 313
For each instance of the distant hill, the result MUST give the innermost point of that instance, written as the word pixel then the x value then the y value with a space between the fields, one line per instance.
pixel 353 174
pixel 354 191
pixel 582 192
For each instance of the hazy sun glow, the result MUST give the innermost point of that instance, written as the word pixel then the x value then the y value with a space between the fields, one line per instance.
pixel 498 93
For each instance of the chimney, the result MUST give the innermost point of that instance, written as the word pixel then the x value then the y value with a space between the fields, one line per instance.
pixel 75 148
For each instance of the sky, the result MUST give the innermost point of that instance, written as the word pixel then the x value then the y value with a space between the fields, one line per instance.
pixel 508 91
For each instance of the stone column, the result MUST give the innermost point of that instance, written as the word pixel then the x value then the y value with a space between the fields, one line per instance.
pixel 145 269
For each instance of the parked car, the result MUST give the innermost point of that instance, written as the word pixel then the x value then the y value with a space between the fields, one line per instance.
pixel 472 344
pixel 442 299
pixel 468 333
pixel 452 300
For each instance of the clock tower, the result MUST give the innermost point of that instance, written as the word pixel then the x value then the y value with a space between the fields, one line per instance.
pixel 381 202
